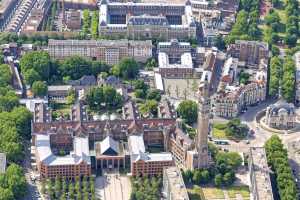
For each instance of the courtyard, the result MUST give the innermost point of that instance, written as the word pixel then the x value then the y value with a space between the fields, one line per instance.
pixel 113 186
pixel 181 88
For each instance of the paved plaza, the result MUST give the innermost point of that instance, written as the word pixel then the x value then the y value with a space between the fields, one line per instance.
pixel 112 186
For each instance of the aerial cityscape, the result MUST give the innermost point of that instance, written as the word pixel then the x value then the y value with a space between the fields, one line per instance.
pixel 150 100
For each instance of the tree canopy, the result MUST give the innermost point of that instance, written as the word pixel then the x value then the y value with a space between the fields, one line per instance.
pixel 39 88
pixel 39 64
pixel 127 68
pixel 278 160
pixel 5 75
pixel 103 97
pixel 188 111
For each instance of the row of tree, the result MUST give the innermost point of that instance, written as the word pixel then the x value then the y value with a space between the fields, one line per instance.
pixel 63 189
pixel 278 160
pixel 282 75
pixel 221 174
pixel 145 188
pixel 246 25
pixel 38 66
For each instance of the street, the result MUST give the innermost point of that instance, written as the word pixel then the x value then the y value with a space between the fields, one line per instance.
pixel 32 192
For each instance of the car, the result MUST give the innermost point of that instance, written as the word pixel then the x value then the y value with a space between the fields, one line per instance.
pixel 247 142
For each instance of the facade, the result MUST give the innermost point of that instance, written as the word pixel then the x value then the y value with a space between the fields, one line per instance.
pixel 173 185
pixel 7 10
pixel 105 50
pixel 49 165
pixel 59 93
pixel 203 125
pixel 175 59
pixel 297 62
pixel 260 187
pixel 146 20
pixel 73 19
pixel 250 52
pixel 281 115
pixel 231 101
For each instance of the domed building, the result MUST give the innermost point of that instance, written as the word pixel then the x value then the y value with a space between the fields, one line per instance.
pixel 281 115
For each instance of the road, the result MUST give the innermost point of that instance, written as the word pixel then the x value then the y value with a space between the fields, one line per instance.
pixel 32 192
pixel 261 135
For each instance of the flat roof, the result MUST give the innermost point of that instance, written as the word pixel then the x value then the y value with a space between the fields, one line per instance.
pixel 176 184
pixel 136 144
pixel 261 174
pixel 79 154
pixel 2 162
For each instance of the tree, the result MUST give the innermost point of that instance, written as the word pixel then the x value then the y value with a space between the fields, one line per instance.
pixel 57 187
pixel 71 191
pixel 230 159
pixel 31 76
pixel 1 59
pixel 235 129
pixel 278 160
pixel 21 118
pixel 75 67
pixel 86 22
pixel 288 79
pixel 290 39
pixel 151 63
pixel 8 99
pixel 127 68
pixel 39 88
pixel 219 42
pixel 218 180
pixel 71 97
pixel 188 110
pixel 275 74
pixel 94 24
pixel 149 107
pixel 16 180
pixel 5 75
pixel 154 95
pixel 40 62
pixel 6 194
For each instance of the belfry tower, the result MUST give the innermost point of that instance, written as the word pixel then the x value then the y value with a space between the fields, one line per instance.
pixel 203 124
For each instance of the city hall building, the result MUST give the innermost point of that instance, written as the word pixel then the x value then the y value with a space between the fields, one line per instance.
pixel 146 20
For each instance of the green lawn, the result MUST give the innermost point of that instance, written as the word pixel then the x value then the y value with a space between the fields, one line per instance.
pixel 219 131
pixel 213 193
pixel 195 193
pixel 234 190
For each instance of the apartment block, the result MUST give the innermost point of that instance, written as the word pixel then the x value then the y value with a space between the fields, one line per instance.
pixel 109 51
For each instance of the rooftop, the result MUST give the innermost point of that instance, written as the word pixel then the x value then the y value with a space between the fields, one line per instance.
pixel 2 162
pixel 261 173
pixel 78 155
pixel 176 185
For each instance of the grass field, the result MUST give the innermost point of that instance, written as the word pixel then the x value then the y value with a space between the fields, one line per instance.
pixel 219 131
pixel 234 190
pixel 213 193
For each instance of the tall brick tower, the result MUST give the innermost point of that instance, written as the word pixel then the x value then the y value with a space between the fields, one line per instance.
pixel 203 124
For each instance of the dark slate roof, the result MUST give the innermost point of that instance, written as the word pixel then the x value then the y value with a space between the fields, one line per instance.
pixel 83 81
pixel 109 146
pixel 148 20
pixel 282 105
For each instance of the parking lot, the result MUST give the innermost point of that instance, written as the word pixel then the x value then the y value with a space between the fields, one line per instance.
pixel 112 186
